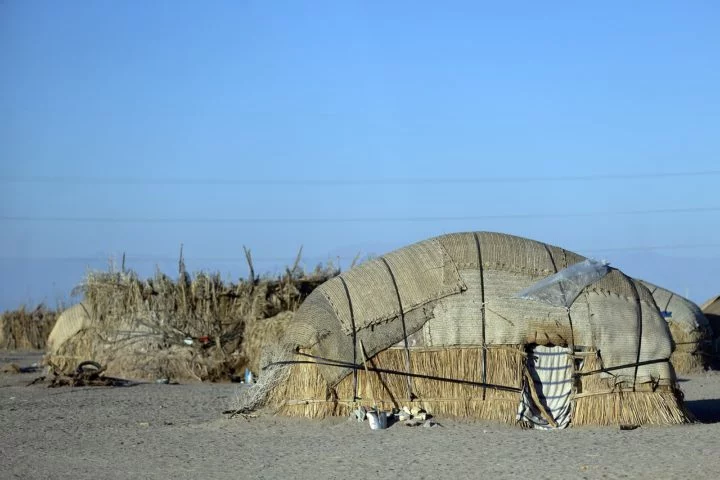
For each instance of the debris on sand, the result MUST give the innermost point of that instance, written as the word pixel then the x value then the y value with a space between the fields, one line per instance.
pixel 87 374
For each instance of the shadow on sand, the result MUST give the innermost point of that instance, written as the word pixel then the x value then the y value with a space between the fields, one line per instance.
pixel 706 411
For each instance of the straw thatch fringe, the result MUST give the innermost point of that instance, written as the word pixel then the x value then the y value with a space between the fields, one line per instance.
pixel 303 382
pixel 307 394
pixel 628 408
pixel 598 401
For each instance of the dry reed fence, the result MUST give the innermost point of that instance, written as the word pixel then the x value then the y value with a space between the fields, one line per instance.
pixel 195 327
pixel 304 392
pixel 24 329
pixel 301 391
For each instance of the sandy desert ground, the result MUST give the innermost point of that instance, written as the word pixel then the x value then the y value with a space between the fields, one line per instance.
pixel 179 432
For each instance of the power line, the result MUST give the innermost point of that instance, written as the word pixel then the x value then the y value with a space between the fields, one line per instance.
pixel 164 258
pixel 679 246
pixel 129 258
pixel 88 180
pixel 404 219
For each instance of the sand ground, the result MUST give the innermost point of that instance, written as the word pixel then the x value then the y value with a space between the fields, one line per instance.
pixel 179 432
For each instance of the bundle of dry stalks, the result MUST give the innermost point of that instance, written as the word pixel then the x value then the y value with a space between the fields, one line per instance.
pixel 600 401
pixel 190 328
pixel 692 349
pixel 26 330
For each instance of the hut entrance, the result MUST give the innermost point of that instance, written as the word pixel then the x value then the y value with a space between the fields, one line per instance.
pixel 545 402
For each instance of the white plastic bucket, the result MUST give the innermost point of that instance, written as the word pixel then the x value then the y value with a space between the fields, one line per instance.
pixel 378 420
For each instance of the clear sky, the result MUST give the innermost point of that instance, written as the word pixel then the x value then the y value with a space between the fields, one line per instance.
pixel 346 127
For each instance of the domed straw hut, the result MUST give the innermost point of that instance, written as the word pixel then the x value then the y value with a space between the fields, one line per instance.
pixel 440 325
pixel 689 329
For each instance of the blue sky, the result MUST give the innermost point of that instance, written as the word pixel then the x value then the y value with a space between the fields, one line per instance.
pixel 353 127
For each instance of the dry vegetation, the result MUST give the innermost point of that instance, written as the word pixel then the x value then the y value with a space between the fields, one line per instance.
pixel 26 330
pixel 194 327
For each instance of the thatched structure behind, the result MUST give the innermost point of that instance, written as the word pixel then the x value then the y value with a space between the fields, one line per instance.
pixel 711 307
pixel 26 330
pixel 689 328
pixel 711 310
pixel 441 328
pixel 190 328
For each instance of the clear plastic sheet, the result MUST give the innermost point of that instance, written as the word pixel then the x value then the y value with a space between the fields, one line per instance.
pixel 562 288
